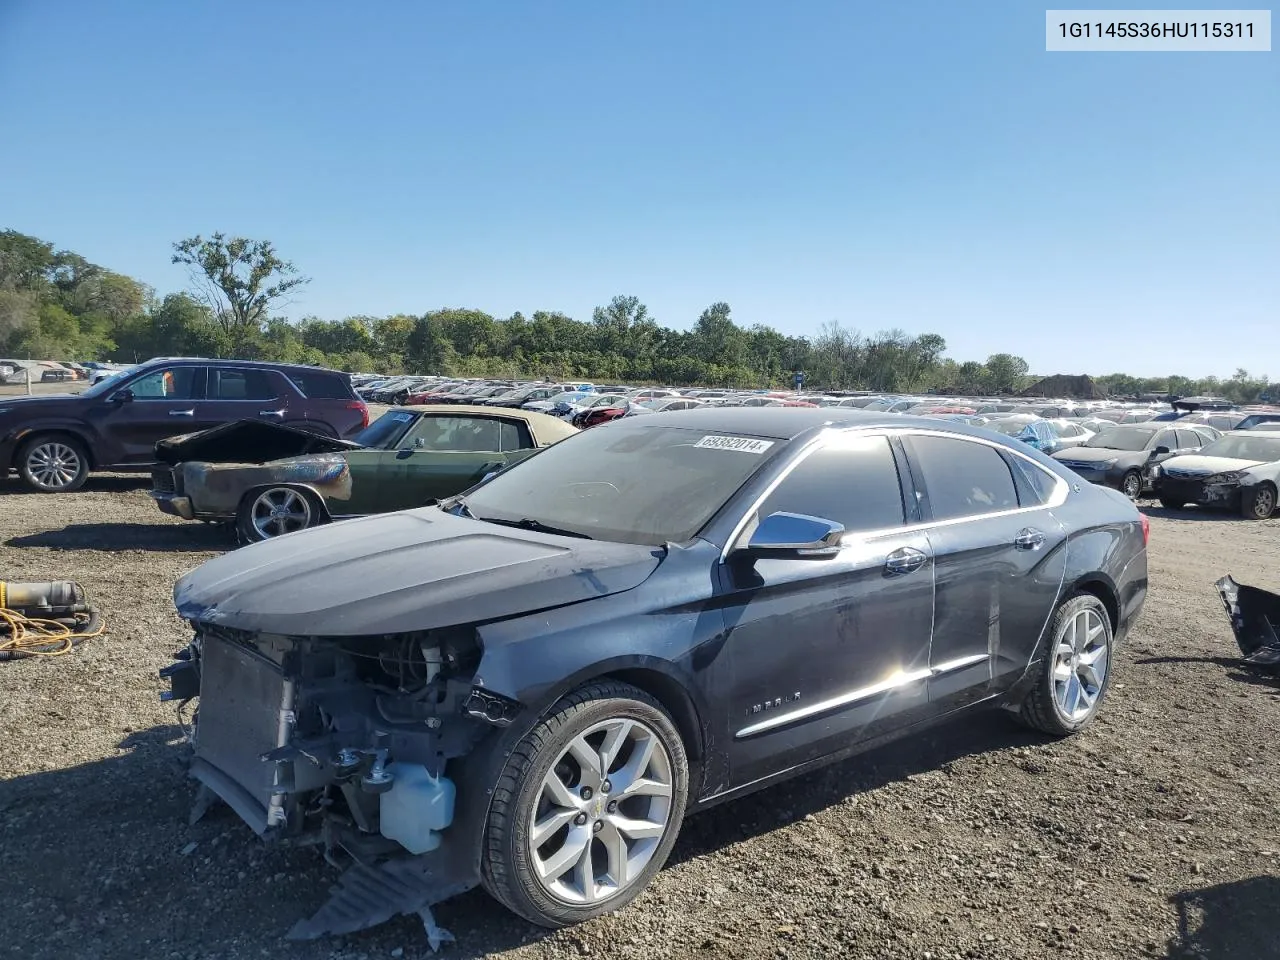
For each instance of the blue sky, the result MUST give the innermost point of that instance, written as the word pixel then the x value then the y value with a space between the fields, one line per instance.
pixel 918 165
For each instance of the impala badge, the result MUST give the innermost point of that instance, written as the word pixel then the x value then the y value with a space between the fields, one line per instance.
pixel 773 704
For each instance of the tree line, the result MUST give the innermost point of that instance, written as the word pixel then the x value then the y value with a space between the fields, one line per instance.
pixel 55 304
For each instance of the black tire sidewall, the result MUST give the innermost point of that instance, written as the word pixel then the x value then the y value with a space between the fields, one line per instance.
pixel 1251 504
pixel 1125 479
pixel 25 452
pixel 531 900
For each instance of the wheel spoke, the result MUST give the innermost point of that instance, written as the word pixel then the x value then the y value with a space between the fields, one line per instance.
pixel 588 761
pixel 555 790
pixel 575 845
pixel 636 829
pixel 613 742
pixel 545 828
pixel 584 873
pixel 1089 677
pixel 615 845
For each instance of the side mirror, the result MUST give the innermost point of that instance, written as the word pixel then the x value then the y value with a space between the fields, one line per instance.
pixel 795 536
pixel 122 396
pixel 1161 450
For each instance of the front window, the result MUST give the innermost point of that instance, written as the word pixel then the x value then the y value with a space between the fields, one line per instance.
pixel 178 383
pixel 1122 438
pixel 1258 449
pixel 652 486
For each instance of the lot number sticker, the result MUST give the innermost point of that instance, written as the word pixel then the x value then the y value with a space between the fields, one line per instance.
pixel 741 444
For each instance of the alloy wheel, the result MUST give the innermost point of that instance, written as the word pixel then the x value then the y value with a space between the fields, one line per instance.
pixel 1080 661
pixel 602 811
pixel 53 465
pixel 1132 486
pixel 1264 503
pixel 280 511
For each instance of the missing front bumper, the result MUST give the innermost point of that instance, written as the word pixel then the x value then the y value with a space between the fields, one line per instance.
pixel 1255 621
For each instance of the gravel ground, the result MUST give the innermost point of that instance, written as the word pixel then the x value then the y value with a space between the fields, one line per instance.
pixel 1155 833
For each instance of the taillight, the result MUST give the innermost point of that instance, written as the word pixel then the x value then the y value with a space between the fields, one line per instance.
pixel 364 412
pixel 1146 529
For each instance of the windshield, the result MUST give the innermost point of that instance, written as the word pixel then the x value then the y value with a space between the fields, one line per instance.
pixel 1258 449
pixel 1010 428
pixel 1123 438
pixel 569 396
pixel 652 486
pixel 386 431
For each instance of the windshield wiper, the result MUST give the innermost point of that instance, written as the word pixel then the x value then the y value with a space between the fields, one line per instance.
pixel 536 525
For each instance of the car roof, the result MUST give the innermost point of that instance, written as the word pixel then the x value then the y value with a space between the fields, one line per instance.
pixel 781 423
pixel 264 364
pixel 547 428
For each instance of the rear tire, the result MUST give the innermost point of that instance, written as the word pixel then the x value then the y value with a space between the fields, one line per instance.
pixel 270 512
pixel 574 805
pixel 1259 504
pixel 53 463
pixel 1076 672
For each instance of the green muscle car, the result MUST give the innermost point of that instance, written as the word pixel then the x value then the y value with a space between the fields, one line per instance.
pixel 270 479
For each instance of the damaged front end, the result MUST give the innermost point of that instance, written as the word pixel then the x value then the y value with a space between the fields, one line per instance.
pixel 350 743
pixel 1255 620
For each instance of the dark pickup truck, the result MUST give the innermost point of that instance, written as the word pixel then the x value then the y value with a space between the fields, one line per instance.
pixel 54 441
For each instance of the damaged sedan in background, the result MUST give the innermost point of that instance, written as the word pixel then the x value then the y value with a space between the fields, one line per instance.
pixel 271 479
pixel 1239 471
pixel 526 686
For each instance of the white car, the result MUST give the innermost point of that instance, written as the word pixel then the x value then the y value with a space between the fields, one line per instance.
pixel 1238 471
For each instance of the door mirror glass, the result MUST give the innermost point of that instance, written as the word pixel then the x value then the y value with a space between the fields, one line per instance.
pixel 795 535
pixel 1161 450
pixel 122 396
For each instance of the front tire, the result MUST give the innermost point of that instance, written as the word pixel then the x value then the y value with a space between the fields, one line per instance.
pixel 270 512
pixel 53 463
pixel 587 808
pixel 1131 484
pixel 1076 672
pixel 1259 503
pixel 1170 503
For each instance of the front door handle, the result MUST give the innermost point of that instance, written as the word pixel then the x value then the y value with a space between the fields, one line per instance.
pixel 904 560
pixel 182 413
pixel 1028 539
pixel 271 413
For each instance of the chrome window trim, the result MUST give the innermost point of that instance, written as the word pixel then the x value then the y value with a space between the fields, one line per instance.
pixel 824 441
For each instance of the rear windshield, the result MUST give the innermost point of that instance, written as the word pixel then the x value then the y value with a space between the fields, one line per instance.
pixel 322 386
pixel 650 486
pixel 386 431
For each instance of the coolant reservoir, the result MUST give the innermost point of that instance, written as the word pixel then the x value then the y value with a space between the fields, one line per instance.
pixel 416 808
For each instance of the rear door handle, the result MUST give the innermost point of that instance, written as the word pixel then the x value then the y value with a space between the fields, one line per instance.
pixel 904 560
pixel 182 413
pixel 271 413
pixel 1028 539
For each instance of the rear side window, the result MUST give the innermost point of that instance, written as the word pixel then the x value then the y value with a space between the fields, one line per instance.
pixel 513 436
pixel 854 483
pixel 321 386
pixel 242 385
pixel 1189 440
pixel 963 478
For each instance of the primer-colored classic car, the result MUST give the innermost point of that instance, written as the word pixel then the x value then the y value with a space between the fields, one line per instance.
pixel 271 480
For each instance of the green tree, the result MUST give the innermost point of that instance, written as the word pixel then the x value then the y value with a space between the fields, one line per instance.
pixel 1005 372
pixel 238 279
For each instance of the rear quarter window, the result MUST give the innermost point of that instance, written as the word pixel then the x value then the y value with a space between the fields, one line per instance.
pixel 962 478
pixel 322 386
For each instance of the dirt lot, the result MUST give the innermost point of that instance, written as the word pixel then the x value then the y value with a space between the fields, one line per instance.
pixel 1156 833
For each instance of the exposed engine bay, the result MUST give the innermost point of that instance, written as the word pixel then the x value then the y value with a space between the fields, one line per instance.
pixel 344 743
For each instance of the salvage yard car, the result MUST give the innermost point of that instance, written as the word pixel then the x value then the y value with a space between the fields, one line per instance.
pixel 54 441
pixel 1128 457
pixel 528 685
pixel 272 481
pixel 1240 471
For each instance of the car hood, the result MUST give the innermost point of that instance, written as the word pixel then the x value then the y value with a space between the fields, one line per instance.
pixel 397 572
pixel 50 401
pixel 1205 466
pixel 247 441
pixel 1080 454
